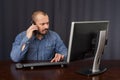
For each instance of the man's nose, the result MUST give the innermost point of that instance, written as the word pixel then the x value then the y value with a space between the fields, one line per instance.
pixel 46 26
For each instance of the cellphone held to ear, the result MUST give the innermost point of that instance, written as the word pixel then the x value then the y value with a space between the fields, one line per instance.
pixel 36 31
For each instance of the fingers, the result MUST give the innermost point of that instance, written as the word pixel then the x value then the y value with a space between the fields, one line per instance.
pixel 30 30
pixel 57 58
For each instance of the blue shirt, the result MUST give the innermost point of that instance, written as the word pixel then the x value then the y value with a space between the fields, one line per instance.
pixel 36 49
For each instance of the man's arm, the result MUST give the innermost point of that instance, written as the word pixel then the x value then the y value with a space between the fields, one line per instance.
pixel 19 47
pixel 60 49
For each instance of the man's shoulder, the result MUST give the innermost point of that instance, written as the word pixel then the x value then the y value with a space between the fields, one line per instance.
pixel 52 32
pixel 21 34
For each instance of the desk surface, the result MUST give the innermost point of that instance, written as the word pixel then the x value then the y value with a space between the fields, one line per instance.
pixel 9 72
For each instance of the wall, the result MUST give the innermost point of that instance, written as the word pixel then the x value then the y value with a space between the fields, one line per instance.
pixel 15 16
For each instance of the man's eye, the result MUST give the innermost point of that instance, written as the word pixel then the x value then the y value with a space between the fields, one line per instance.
pixel 43 24
pixel 47 23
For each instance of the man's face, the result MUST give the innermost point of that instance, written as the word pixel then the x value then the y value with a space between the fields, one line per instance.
pixel 42 22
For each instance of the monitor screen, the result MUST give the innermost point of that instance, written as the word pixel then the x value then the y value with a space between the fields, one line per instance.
pixel 84 37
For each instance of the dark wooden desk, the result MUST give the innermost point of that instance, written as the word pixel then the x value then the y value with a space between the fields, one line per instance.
pixel 8 72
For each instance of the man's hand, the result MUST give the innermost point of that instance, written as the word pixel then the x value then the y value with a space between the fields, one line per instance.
pixel 29 34
pixel 30 30
pixel 58 57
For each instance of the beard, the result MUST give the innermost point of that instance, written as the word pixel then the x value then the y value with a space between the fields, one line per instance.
pixel 43 32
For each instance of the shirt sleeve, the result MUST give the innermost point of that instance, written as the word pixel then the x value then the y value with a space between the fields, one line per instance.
pixel 17 53
pixel 60 47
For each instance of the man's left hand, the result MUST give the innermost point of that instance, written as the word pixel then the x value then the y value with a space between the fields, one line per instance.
pixel 58 57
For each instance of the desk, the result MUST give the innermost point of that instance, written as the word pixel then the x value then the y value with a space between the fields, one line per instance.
pixel 8 72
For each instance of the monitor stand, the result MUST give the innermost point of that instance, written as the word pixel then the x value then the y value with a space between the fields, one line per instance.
pixel 89 72
pixel 96 64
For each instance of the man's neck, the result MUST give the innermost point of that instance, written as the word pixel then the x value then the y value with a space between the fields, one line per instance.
pixel 39 36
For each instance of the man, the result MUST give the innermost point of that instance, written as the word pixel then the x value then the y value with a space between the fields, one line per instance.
pixel 38 42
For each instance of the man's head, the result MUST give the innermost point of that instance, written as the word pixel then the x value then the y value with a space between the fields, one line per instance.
pixel 41 20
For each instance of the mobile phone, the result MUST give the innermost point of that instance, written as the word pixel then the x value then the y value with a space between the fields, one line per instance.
pixel 36 31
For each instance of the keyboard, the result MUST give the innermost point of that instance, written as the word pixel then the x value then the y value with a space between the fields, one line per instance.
pixel 32 65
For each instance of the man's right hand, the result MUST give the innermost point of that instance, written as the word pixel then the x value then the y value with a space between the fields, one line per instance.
pixel 30 30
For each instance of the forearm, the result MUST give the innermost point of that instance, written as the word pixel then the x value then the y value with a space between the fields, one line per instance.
pixel 62 50
pixel 19 50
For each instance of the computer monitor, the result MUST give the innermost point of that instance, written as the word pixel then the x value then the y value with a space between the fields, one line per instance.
pixel 88 39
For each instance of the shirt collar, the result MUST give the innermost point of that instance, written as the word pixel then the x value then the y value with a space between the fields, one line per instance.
pixel 45 36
